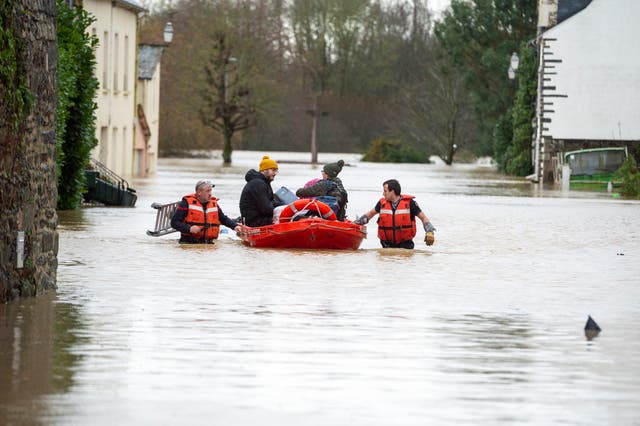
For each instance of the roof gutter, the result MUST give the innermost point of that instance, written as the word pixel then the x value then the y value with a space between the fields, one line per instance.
pixel 130 5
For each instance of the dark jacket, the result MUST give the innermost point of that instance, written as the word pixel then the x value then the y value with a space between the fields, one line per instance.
pixel 177 223
pixel 256 200
pixel 332 187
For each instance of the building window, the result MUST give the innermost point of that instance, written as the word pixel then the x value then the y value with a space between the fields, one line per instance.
pixel 105 60
pixel 116 62
pixel 125 149
pixel 103 153
pixel 125 71
pixel 94 35
pixel 113 165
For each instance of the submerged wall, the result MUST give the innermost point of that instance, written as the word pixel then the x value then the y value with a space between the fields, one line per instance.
pixel 28 188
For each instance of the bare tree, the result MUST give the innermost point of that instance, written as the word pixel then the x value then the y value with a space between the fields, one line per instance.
pixel 227 105
pixel 436 113
pixel 325 32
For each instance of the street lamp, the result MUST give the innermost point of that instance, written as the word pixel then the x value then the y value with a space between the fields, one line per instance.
pixel 513 66
pixel 229 60
pixel 168 33
pixel 515 61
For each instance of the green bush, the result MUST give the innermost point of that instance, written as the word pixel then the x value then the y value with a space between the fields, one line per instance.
pixel 519 164
pixel 630 176
pixel 16 96
pixel 513 132
pixel 77 87
pixel 393 151
pixel 502 135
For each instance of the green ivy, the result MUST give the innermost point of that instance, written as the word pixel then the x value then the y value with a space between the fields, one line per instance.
pixel 519 153
pixel 502 136
pixel 630 176
pixel 77 88
pixel 513 132
pixel 17 96
pixel 393 151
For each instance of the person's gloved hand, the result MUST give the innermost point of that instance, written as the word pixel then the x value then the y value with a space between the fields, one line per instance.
pixel 362 220
pixel 429 238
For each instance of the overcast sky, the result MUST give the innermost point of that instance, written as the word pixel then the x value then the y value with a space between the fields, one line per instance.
pixel 436 6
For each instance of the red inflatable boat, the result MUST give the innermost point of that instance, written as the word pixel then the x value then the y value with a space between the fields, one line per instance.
pixel 322 232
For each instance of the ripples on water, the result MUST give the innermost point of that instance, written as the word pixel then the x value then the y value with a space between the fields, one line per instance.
pixel 485 327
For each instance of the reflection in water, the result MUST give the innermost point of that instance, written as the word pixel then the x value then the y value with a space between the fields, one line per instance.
pixel 67 335
pixel 499 346
pixel 74 220
pixel 484 327
pixel 36 359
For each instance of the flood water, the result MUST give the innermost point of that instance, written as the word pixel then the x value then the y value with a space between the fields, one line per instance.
pixel 484 327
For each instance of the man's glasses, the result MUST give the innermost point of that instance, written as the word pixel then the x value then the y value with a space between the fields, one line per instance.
pixel 202 183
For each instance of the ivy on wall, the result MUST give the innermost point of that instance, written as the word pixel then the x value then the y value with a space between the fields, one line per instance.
pixel 519 153
pixel 17 97
pixel 77 87
pixel 513 131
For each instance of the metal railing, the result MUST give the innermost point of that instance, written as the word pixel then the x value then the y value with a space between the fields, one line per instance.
pixel 109 176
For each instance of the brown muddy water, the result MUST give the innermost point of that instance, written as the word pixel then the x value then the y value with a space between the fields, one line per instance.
pixel 484 327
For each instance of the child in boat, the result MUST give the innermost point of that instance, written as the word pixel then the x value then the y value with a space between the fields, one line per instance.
pixel 329 189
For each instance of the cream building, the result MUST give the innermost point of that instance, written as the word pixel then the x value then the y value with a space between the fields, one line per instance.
pixel 115 28
pixel 147 109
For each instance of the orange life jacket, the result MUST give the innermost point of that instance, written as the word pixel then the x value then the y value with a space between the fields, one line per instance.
pixel 196 216
pixel 396 225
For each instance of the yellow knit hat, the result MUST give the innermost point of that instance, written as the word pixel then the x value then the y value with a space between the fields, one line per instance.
pixel 267 163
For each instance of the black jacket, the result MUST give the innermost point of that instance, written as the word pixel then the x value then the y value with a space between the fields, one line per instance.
pixel 256 200
pixel 332 187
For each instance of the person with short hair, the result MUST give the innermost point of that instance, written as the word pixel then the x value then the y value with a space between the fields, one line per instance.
pixel 257 201
pixel 198 216
pixel 329 186
pixel 397 224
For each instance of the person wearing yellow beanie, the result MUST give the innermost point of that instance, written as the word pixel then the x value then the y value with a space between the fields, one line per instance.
pixel 267 163
pixel 257 201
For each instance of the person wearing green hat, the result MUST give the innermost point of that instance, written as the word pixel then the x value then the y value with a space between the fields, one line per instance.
pixel 329 186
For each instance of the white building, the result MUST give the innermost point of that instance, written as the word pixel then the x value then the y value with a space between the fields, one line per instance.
pixel 147 109
pixel 589 78
pixel 116 29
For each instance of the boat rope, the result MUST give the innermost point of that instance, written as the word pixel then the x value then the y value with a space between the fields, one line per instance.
pixel 311 225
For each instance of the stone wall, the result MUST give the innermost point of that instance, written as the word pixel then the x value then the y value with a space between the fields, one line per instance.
pixel 28 187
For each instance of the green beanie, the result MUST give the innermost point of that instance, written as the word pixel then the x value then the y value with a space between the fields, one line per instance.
pixel 332 169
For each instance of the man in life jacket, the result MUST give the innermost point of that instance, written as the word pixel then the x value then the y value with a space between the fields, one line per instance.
pixel 397 221
pixel 198 216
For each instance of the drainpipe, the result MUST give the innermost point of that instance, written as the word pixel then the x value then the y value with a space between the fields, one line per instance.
pixel 134 127
pixel 536 156
pixel 109 77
